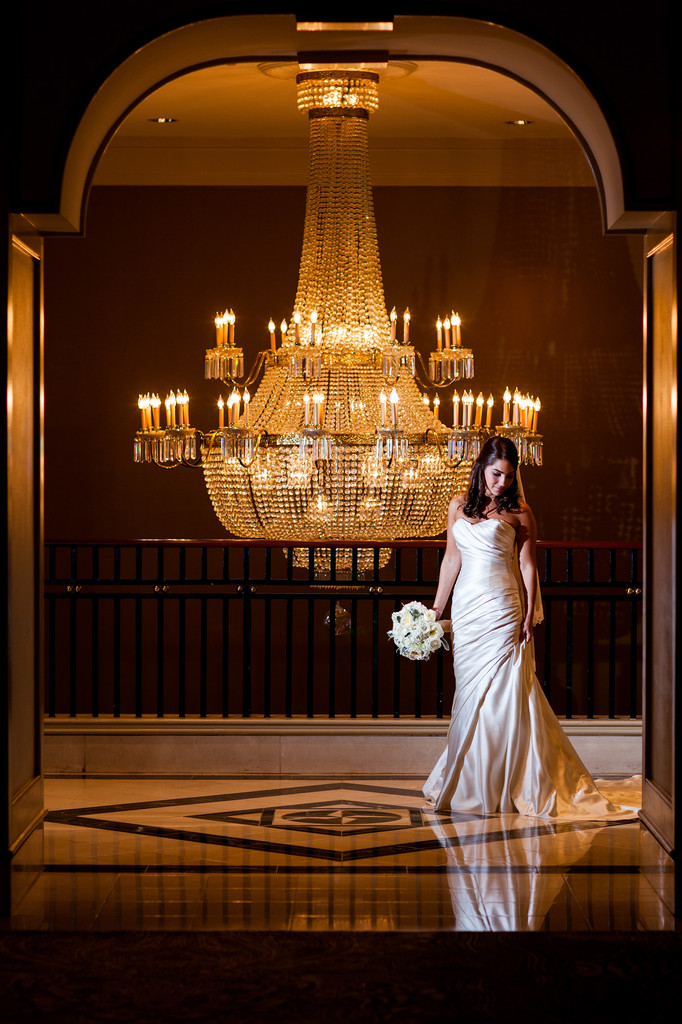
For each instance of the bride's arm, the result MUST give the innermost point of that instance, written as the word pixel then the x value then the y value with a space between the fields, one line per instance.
pixel 451 564
pixel 526 537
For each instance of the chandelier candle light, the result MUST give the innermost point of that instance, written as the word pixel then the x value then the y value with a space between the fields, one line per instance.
pixel 338 441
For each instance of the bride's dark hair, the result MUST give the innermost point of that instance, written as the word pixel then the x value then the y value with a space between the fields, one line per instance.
pixel 475 499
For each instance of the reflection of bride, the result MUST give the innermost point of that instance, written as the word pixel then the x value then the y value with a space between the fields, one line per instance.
pixel 506 751
pixel 508 872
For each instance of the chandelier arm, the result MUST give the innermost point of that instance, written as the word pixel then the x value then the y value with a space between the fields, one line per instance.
pixel 388 462
pixel 259 437
pixel 162 465
pixel 426 380
pixel 198 462
pixel 228 379
pixel 212 434
pixel 256 369
pixel 430 430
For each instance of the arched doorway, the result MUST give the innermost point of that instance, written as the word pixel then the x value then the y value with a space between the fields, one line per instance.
pixel 245 38
pixel 445 39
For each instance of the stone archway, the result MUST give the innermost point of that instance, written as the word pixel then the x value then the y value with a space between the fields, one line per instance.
pixel 251 38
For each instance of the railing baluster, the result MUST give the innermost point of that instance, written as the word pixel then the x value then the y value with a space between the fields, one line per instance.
pixel 569 658
pixel 117 657
pixel 634 660
pixel 94 656
pixel 310 681
pixel 590 657
pixel 246 638
pixel 418 689
pixel 225 655
pixel 375 656
pixel 203 657
pixel 332 659
pixel 267 653
pixel 353 658
pixel 73 656
pixel 138 657
pixel 160 633
pixel 612 659
pixel 547 681
pixel 160 651
pixel 288 659
pixel 396 672
pixel 51 654
pixel 182 658
pixel 439 684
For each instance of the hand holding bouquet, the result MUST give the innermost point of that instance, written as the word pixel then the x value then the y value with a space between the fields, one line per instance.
pixel 416 633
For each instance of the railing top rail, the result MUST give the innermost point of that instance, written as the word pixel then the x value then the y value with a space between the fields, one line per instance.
pixel 232 542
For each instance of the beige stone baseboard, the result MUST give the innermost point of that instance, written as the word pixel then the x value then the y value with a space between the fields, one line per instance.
pixel 254 746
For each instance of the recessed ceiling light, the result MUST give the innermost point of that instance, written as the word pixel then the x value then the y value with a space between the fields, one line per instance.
pixel 520 120
pixel 162 120
pixel 344 26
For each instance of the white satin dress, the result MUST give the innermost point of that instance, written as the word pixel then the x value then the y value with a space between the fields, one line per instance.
pixel 506 751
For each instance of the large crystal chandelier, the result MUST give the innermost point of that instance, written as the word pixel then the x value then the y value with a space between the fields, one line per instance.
pixel 338 441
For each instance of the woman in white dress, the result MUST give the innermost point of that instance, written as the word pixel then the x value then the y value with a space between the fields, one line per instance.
pixel 506 751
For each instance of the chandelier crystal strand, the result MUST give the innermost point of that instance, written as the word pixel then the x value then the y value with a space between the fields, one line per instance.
pixel 337 442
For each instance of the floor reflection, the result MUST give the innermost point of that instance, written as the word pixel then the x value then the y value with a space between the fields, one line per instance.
pixel 510 874
pixel 329 854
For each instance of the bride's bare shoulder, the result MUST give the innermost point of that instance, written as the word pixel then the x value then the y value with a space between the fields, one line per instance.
pixel 525 515
pixel 456 505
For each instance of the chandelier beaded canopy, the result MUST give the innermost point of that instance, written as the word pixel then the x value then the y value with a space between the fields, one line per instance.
pixel 338 441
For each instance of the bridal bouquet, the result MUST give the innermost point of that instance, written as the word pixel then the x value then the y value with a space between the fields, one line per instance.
pixel 416 633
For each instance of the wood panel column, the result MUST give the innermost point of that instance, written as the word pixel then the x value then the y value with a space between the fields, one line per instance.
pixel 21 836
pixel 662 649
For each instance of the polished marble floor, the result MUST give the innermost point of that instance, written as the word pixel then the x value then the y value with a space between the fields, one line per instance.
pixel 301 853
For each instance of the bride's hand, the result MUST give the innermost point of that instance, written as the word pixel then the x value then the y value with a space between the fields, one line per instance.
pixel 527 631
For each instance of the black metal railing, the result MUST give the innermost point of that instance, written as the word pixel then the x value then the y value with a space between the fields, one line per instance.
pixel 233 628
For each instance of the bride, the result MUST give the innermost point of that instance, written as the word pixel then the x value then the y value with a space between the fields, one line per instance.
pixel 506 751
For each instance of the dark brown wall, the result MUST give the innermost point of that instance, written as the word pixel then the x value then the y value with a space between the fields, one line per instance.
pixel 549 304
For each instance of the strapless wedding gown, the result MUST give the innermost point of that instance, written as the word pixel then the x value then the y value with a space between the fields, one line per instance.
pixel 506 752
